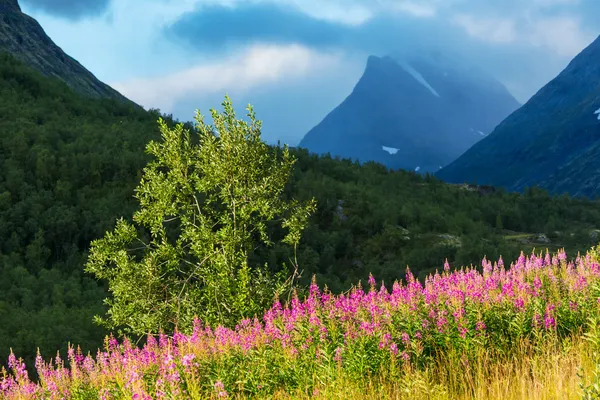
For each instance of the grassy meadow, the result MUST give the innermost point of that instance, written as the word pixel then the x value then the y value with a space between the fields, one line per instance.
pixel 528 330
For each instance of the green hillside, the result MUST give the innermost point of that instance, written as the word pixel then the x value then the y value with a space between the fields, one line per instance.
pixel 69 164
pixel 68 168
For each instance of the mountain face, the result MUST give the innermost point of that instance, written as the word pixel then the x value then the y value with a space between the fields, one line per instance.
pixel 552 141
pixel 416 113
pixel 24 38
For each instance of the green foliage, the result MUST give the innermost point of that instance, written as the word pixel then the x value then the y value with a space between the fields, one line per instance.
pixel 69 166
pixel 205 206
pixel 370 219
pixel 591 390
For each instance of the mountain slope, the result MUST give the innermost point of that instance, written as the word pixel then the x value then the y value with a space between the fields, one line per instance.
pixel 413 113
pixel 69 165
pixel 552 141
pixel 24 38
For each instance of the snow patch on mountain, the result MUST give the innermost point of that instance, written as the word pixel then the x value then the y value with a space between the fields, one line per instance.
pixel 415 74
pixel 390 150
pixel 477 131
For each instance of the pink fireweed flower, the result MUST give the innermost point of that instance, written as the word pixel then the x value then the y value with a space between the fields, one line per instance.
pixel 537 320
pixel 372 281
pixel 519 303
pixel 405 339
pixel 458 314
pixel 220 389
pixel 549 321
pixel 338 355
pixel 18 367
pixel 441 324
pixel 140 396
pixel 443 307
pixel 187 359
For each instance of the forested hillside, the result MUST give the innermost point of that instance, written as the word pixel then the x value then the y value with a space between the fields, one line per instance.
pixel 371 219
pixel 69 165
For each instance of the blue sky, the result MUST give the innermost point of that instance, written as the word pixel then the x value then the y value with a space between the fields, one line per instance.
pixel 295 60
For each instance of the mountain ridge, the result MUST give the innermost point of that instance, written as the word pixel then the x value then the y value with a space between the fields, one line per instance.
pixel 24 38
pixel 406 112
pixel 538 141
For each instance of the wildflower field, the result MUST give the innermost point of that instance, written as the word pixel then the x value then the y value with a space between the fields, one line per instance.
pixel 528 330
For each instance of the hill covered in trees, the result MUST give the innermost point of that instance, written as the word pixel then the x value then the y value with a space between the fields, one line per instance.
pixel 69 165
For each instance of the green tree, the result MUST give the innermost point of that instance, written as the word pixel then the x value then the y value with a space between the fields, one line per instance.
pixel 205 207
pixel 499 224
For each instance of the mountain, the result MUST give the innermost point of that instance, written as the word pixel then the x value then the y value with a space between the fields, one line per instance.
pixel 553 141
pixel 69 164
pixel 412 112
pixel 24 38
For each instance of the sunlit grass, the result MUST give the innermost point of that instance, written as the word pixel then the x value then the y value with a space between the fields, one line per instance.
pixel 530 331
pixel 553 372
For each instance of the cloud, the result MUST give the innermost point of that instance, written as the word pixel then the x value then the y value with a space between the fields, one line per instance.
pixel 493 29
pixel 291 87
pixel 126 42
pixel 217 28
pixel 257 66
pixel 70 9
pixel 415 8
pixel 556 25
pixel 284 55
pixel 560 34
pixel 211 27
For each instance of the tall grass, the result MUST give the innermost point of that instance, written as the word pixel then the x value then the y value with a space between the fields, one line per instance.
pixel 525 332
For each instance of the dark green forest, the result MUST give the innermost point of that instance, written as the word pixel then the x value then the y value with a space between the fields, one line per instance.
pixel 69 166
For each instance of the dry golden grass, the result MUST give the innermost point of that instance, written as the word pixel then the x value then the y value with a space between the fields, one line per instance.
pixel 530 373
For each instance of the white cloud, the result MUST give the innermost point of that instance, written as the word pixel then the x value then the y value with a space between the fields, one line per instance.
pixel 347 12
pixel 258 65
pixel 561 34
pixel 492 29
pixel 126 43
pixel 129 47
pixel 414 8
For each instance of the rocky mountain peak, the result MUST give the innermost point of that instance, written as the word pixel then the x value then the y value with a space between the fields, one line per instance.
pixel 9 6
pixel 22 37
pixel 416 113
